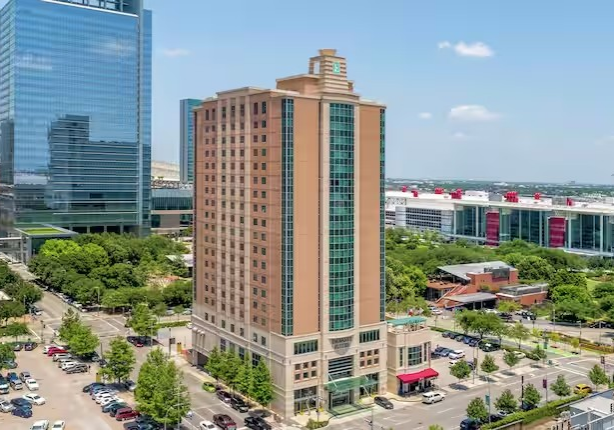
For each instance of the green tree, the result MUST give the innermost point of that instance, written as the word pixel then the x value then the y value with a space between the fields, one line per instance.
pixel 245 376
pixel 477 409
pixel 82 340
pixel 435 427
pixel 214 363
pixel 120 360
pixel 161 392
pixel 560 387
pixel 262 387
pixel 575 343
pixel 70 322
pixel 539 353
pixel 461 370
pixel 488 365
pixel 10 309
pixel 506 402
pixel 142 320
pixel 510 359
pixel 531 395
pixel 537 334
pixel 465 319
pixel 598 376
pixel 6 354
pixel 604 289
pixel 534 268
pixel 519 332
pixel 228 369
pixel 508 306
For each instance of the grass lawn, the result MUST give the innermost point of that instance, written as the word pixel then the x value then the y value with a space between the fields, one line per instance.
pixel 591 284
pixel 41 230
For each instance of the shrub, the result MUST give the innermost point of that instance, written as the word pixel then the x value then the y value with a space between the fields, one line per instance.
pixel 550 410
pixel 313 424
pixel 14 330
pixel 172 324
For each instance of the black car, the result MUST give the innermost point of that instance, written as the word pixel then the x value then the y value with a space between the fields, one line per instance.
pixel 107 408
pixel 102 362
pixel 30 346
pixel 489 347
pixel 21 403
pixel 383 402
pixel 459 338
pixel 469 424
pixel 448 334
pixel 437 351
pixel 22 412
pixel 238 404
pixel 256 423
pixel 93 357
pixel 507 317
pixel 224 396
pixel 527 407
pixel 259 413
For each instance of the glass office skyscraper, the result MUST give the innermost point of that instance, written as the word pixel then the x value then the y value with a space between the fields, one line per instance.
pixel 186 142
pixel 75 114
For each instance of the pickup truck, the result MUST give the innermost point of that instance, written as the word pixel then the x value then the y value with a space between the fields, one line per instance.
pixel 4 385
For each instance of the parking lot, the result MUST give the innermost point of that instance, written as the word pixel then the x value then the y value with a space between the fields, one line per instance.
pixel 63 394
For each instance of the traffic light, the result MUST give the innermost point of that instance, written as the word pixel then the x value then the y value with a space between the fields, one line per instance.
pixel 487 398
pixel 612 408
pixel 603 359
pixel 544 383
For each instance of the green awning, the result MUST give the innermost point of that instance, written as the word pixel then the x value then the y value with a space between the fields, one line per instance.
pixel 346 384
pixel 406 321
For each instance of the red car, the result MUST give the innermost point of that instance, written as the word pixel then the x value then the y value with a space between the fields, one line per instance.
pixel 56 351
pixel 126 414
pixel 224 422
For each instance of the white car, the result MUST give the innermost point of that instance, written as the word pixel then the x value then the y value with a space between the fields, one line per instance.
pixel 58 425
pixel 40 425
pixel 456 354
pixel 436 311
pixel 101 399
pixel 206 425
pixel 67 365
pixel 108 400
pixel 519 355
pixel 35 399
pixel 32 384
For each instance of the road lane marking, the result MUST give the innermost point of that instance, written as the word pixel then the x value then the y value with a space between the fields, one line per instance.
pixel 445 410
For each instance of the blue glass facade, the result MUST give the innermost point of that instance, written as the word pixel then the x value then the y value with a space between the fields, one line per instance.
pixel 186 141
pixel 75 114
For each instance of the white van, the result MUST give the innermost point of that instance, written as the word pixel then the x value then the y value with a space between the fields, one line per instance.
pixel 432 397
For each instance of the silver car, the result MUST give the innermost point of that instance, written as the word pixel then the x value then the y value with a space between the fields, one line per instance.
pixel 6 406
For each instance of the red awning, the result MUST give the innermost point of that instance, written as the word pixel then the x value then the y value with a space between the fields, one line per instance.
pixel 409 378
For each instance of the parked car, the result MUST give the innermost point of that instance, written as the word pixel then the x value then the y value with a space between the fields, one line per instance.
pixel 31 384
pixel 79 368
pixel 21 403
pixel 118 407
pixel 22 412
pixel 467 339
pixel 238 404
pixel 520 355
pixel 5 406
pixel 40 425
pixel 58 425
pixel 256 423
pixel 456 354
pixel 469 424
pixel 490 347
pixel 30 346
pixel 432 397
pixel 17 346
pixel 437 351
pixel 474 342
pixel 107 408
pixel 459 337
pixel 24 375
pixel 46 348
pixel 262 413
pixel 224 396
pixel 135 340
pixel 89 387
pixel 130 385
pixel 448 334
pixel 445 352
pixel 126 414
pixel 505 316
pixel 10 364
pixel 208 425
pixel 224 422
pixel 582 389
pixel 16 384
pixel 209 387
pixel 436 311
pixel 383 402
pixel 34 398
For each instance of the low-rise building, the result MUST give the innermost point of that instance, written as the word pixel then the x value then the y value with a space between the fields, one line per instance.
pixel 409 355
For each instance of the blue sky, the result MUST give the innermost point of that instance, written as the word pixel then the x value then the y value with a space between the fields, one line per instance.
pixel 535 103
pixel 480 89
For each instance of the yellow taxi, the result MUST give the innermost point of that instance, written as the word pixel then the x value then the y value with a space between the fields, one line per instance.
pixel 582 389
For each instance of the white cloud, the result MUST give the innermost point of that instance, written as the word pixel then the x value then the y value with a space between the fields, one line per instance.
pixel 476 49
pixel 176 52
pixel 425 115
pixel 459 135
pixel 607 140
pixel 472 113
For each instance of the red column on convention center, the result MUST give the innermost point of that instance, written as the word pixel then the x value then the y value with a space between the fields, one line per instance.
pixel 557 231
pixel 492 228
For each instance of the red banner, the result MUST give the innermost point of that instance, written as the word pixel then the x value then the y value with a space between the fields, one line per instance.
pixel 492 228
pixel 557 231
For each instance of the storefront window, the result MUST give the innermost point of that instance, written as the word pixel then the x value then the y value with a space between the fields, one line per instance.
pixel 414 355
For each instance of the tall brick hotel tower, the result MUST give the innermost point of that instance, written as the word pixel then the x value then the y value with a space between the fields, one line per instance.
pixel 289 234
